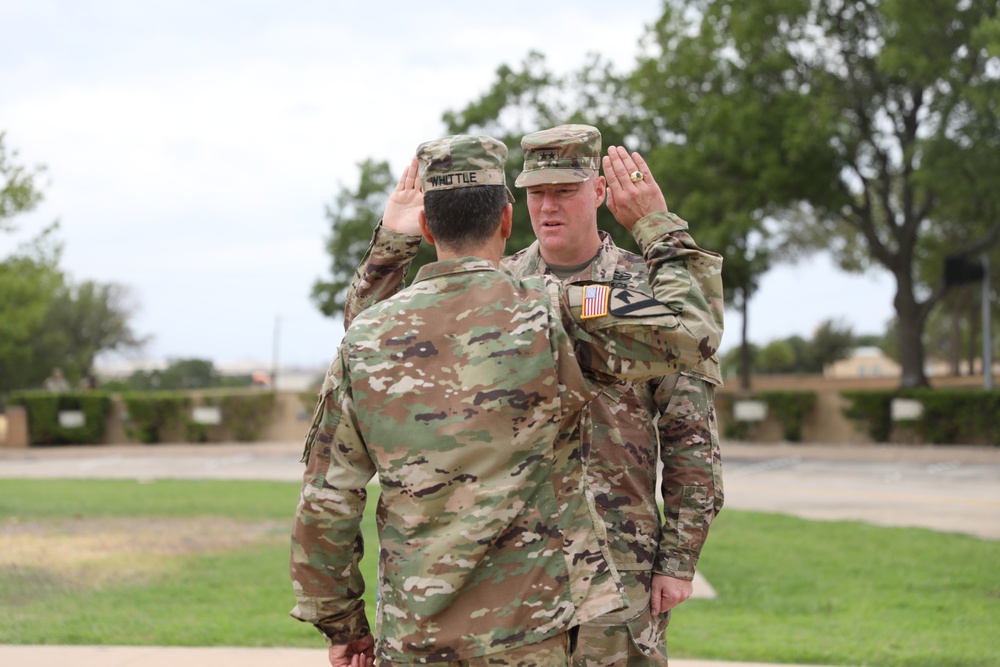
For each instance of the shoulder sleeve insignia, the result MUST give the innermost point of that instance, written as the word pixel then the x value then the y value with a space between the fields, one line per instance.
pixel 628 303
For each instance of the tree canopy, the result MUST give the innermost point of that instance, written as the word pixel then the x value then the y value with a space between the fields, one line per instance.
pixel 868 129
pixel 47 320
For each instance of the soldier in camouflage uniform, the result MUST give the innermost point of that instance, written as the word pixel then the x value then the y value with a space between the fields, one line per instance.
pixel 466 394
pixel 670 419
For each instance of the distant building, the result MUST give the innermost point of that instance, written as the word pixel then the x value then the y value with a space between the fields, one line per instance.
pixel 863 362
pixel 871 362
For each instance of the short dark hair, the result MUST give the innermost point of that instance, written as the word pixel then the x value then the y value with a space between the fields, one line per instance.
pixel 464 218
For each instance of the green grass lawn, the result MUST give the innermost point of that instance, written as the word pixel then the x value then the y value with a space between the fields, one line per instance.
pixel 206 563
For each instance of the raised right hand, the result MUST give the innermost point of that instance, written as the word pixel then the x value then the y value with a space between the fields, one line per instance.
pixel 402 212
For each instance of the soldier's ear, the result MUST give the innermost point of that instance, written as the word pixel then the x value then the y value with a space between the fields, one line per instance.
pixel 507 221
pixel 424 229
pixel 600 190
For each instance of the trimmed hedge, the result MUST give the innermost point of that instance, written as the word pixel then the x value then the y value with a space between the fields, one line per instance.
pixel 43 408
pixel 150 416
pixel 153 416
pixel 147 416
pixel 950 416
pixel 788 408
pixel 245 415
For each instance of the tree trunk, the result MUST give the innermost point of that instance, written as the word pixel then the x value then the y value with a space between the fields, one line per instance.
pixel 955 349
pixel 975 326
pixel 911 345
pixel 744 346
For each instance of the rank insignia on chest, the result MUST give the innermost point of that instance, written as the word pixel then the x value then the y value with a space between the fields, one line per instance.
pixel 595 301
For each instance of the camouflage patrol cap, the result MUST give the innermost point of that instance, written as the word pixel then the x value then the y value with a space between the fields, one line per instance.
pixel 462 161
pixel 563 154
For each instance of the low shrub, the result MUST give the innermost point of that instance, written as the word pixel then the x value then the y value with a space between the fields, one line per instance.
pixel 965 416
pixel 43 409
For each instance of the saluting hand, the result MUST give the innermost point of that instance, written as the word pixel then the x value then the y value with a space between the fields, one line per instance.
pixel 632 190
pixel 402 212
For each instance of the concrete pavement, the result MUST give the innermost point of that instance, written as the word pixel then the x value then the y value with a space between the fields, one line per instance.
pixel 157 656
pixel 955 489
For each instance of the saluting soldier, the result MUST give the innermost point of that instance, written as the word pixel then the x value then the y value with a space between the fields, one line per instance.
pixel 466 394
pixel 636 425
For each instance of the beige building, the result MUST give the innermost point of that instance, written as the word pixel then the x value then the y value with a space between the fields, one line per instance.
pixel 863 362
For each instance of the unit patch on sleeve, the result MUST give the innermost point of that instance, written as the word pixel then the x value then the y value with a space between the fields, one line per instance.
pixel 630 303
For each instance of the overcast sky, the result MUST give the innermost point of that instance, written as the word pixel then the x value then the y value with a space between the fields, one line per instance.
pixel 191 148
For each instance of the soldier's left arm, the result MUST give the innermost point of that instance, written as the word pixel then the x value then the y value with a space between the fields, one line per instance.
pixel 327 543
pixel 691 483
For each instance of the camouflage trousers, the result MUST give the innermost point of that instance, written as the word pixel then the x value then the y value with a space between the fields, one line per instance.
pixel 628 638
pixel 551 652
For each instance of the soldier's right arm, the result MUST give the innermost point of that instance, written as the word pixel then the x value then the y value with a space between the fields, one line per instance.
pixel 326 543
pixel 393 247
pixel 382 271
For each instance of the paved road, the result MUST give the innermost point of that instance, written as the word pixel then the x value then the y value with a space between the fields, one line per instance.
pixel 945 488
pixel 952 489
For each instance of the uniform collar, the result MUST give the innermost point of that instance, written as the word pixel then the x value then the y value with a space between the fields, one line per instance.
pixel 602 269
pixel 454 266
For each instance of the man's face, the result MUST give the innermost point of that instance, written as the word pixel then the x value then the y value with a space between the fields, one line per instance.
pixel 564 218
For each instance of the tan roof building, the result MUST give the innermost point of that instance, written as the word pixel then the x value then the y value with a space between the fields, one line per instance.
pixel 863 362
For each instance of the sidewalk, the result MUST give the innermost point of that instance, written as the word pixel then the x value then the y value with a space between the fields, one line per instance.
pixel 156 656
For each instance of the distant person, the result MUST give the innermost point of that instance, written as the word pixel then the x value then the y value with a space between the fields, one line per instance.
pixel 56 381
pixel 668 421
pixel 466 394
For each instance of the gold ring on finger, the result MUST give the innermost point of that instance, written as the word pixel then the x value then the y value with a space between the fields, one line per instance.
pixel 636 176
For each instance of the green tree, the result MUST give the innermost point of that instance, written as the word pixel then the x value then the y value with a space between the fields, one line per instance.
pixel 729 137
pixel 778 356
pixel 869 129
pixel 179 374
pixel 832 341
pixel 29 280
pixel 18 191
pixel 83 320
pixel 29 276
pixel 46 321
pixel 894 102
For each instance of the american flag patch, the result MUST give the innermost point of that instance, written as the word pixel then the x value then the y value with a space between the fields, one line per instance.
pixel 595 301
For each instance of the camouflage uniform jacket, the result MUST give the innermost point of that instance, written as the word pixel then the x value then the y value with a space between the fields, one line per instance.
pixel 630 420
pixel 623 470
pixel 466 394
